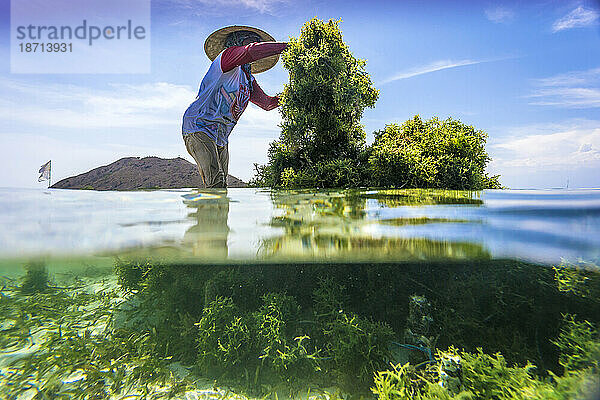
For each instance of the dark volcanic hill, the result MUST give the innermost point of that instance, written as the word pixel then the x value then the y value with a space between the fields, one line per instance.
pixel 131 173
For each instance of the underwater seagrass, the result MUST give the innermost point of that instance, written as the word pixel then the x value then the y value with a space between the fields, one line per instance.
pixel 267 325
pixel 62 343
pixel 496 329
pixel 464 375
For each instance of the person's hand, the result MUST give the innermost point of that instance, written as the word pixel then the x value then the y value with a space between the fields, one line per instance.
pixel 275 103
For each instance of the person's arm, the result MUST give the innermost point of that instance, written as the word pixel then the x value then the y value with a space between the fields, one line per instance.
pixel 259 98
pixel 238 55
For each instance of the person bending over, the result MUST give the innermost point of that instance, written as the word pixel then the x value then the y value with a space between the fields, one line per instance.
pixel 237 52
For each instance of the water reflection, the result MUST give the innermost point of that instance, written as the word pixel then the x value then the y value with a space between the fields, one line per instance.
pixel 420 197
pixel 209 209
pixel 335 225
pixel 249 224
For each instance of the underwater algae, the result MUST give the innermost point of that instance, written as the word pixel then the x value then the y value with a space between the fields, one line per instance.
pixel 337 323
pixel 285 329
pixel 61 344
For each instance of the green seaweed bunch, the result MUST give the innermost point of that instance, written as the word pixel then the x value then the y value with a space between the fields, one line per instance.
pixel 579 346
pixel 322 141
pixel 233 342
pixel 578 281
pixel 224 338
pixel 356 346
pixel 36 279
pixel 131 274
pixel 463 375
pixel 323 144
pixel 275 333
pixel 431 154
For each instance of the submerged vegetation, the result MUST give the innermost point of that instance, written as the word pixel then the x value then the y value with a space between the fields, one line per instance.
pixel 62 344
pixel 491 329
pixel 322 143
pixel 462 375
pixel 261 327
pixel 36 278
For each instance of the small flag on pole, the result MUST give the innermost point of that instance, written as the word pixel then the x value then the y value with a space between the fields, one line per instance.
pixel 45 171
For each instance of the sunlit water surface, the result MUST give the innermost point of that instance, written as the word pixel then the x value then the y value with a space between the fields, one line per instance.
pixel 247 224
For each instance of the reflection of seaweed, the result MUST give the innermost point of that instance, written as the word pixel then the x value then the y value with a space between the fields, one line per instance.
pixel 366 248
pixel 340 204
pixel 420 197
pixel 420 221
pixel 352 203
pixel 333 225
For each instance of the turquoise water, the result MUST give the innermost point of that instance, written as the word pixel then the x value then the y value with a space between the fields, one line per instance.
pixel 258 294
pixel 247 224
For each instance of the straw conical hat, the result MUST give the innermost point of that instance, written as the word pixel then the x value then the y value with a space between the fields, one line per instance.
pixel 215 44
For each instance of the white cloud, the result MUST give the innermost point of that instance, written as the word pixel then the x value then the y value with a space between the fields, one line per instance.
pixel 568 97
pixel 425 69
pixel 499 14
pixel 550 146
pixel 226 6
pixel 588 77
pixel 119 106
pixel 576 89
pixel 246 150
pixel 578 18
pixel 257 122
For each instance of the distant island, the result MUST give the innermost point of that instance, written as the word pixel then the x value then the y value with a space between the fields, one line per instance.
pixel 133 173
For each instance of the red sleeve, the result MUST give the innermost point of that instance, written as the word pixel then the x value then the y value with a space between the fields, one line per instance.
pixel 259 98
pixel 238 55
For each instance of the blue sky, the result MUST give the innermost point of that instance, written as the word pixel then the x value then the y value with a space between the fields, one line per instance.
pixel 526 72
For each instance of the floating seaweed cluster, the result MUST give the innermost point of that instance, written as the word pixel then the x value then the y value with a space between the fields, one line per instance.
pixel 482 329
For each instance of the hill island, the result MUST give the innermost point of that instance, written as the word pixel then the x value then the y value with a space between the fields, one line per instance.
pixel 134 173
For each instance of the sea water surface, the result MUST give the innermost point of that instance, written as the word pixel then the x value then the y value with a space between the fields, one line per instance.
pixel 110 294
pixel 544 226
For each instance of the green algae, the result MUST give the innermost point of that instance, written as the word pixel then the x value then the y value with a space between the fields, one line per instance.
pixel 458 374
pixel 60 344
pixel 36 278
pixel 282 328
pixel 333 323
